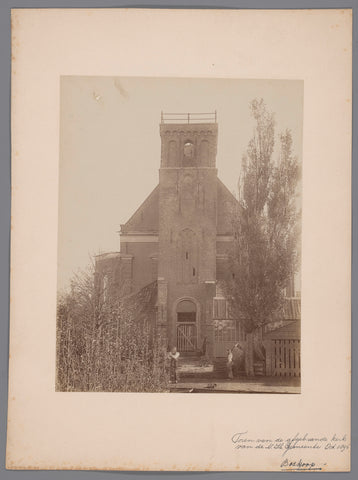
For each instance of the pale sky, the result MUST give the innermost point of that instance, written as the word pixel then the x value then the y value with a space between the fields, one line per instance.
pixel 110 147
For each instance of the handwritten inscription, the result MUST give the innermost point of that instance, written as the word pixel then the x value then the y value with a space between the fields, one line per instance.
pixel 298 442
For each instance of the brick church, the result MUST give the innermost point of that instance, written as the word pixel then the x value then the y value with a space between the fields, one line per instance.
pixel 174 250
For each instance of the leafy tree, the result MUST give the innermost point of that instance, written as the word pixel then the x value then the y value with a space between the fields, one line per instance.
pixel 105 341
pixel 266 226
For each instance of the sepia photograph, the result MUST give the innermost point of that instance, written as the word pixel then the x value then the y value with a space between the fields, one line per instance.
pixel 179 235
pixel 180 282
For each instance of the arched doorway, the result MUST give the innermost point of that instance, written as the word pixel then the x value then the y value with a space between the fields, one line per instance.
pixel 187 334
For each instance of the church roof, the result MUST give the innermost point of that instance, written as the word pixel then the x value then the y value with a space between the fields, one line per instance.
pixel 146 218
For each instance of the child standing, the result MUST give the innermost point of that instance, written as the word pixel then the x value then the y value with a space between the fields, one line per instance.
pixel 173 357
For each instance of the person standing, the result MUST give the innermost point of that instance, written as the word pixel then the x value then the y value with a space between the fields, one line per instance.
pixel 229 364
pixel 173 357
pixel 237 353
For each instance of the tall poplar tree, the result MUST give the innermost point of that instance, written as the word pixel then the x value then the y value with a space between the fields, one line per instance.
pixel 266 226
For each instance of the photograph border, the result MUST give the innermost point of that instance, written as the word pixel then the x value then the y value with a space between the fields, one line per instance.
pixel 5 218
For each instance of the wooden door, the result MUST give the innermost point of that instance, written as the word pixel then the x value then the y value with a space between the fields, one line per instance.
pixel 187 337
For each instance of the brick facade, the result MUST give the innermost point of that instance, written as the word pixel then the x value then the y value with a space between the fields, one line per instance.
pixel 180 237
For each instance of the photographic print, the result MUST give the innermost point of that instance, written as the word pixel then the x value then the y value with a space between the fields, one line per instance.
pixel 179 235
pixel 180 240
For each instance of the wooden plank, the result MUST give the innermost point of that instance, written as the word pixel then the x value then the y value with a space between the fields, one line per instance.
pixel 268 364
pixel 275 358
pixel 282 357
pixel 287 363
pixel 296 359
pixel 187 338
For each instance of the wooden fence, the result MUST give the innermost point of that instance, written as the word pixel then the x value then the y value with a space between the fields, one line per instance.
pixel 283 358
pixel 283 351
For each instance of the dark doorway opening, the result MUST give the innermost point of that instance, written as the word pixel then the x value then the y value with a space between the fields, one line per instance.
pixel 186 317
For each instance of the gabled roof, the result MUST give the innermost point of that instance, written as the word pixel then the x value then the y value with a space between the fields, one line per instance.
pixel 222 188
pixel 226 203
pixel 146 218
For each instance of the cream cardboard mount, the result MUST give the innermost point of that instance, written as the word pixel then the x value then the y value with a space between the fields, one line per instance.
pixel 48 429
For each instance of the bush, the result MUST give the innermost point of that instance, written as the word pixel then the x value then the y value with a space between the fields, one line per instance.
pixel 106 343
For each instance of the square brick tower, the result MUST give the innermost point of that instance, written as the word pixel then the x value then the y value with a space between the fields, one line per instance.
pixel 177 243
pixel 187 229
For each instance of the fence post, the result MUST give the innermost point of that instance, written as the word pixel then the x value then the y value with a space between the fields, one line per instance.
pixel 267 345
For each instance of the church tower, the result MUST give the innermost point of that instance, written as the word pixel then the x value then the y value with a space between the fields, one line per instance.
pixel 176 249
pixel 187 228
